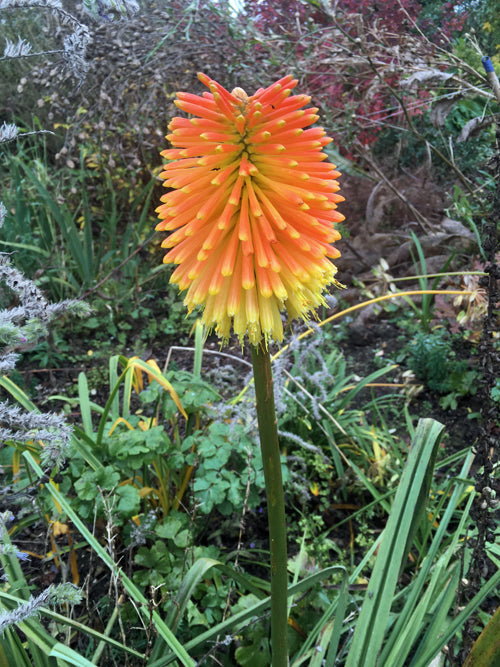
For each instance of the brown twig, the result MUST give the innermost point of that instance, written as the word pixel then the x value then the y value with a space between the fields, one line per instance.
pixel 422 221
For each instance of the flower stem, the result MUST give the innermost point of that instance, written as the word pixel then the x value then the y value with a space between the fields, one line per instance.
pixel 271 459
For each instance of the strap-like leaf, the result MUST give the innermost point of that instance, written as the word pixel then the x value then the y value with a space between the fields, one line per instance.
pixel 372 623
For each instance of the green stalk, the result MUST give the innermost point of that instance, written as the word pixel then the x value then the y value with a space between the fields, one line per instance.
pixel 268 432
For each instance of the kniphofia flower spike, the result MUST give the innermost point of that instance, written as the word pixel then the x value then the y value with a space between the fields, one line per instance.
pixel 252 208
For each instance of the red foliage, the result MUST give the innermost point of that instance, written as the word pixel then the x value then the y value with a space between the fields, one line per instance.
pixel 349 61
pixel 393 15
pixel 284 16
pixel 445 24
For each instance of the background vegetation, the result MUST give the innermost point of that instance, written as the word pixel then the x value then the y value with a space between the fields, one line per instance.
pixel 157 513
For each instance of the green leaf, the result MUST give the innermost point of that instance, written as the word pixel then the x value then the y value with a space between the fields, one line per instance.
pixel 130 500
pixel 84 396
pixel 170 526
pixel 62 620
pixel 255 655
pixel 455 625
pixel 12 651
pixel 106 478
pixel 142 604
pixel 137 447
pixel 427 597
pixel 194 616
pixel 373 620
pixel 69 656
pixel 195 574
pixel 210 493
pixel 253 611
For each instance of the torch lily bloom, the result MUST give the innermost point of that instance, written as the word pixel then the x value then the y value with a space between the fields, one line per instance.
pixel 251 209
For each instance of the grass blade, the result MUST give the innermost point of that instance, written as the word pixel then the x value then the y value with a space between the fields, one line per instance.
pixel 83 395
pixel 163 630
pixel 255 611
pixel 372 623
